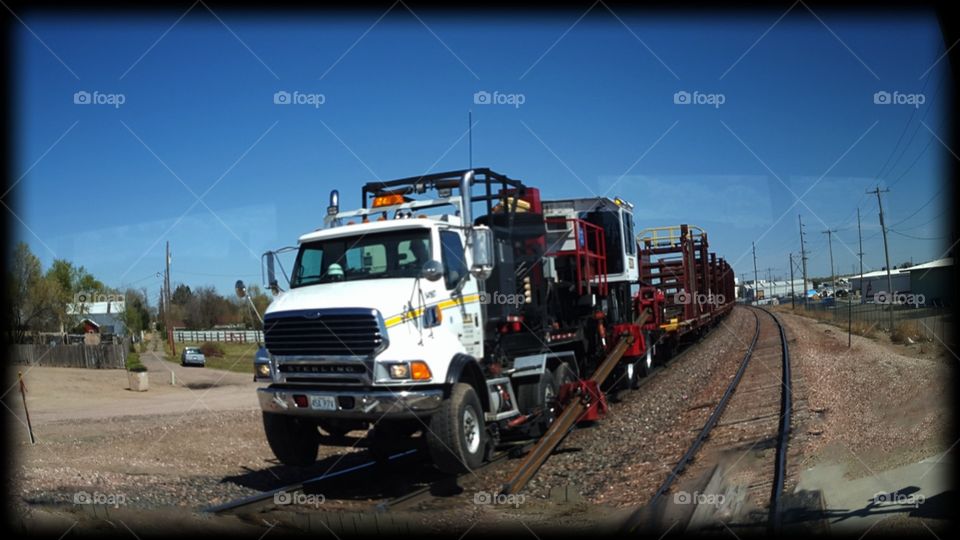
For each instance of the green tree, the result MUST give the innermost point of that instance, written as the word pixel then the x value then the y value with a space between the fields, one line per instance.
pixel 182 295
pixel 35 301
pixel 136 313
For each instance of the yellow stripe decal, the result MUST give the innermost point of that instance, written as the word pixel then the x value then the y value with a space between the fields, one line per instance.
pixel 413 314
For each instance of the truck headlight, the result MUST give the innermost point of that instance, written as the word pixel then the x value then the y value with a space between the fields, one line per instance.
pixel 399 371
pixel 263 370
pixel 416 370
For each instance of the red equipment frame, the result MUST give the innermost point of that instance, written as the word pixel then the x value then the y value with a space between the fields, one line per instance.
pixel 589 264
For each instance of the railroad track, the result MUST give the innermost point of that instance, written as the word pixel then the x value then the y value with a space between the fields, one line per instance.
pixel 745 438
pixel 412 498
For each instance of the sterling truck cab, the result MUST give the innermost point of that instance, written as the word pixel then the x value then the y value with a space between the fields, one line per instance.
pixel 408 315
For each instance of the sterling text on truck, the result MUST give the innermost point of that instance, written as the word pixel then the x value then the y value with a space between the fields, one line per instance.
pixel 411 314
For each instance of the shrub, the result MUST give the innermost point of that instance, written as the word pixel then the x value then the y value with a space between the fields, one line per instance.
pixel 904 330
pixel 861 328
pixel 209 348
pixel 134 364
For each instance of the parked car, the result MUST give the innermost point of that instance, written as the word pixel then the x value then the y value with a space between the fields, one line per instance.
pixel 191 356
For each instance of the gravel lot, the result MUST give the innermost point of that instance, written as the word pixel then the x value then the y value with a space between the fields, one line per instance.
pixel 164 450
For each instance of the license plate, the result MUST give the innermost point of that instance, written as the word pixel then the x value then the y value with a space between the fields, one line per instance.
pixel 323 403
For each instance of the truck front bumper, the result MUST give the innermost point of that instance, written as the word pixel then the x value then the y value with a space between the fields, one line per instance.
pixel 359 404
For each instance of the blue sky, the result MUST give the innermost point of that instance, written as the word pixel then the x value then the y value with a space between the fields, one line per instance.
pixel 106 186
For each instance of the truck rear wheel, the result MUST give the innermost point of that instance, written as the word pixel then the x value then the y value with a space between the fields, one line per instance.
pixel 457 435
pixel 294 441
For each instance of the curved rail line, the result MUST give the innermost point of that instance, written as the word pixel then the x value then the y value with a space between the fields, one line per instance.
pixel 774 521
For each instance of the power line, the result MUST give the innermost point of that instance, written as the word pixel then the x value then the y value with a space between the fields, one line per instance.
pixel 917 237
pixel 904 132
pixel 921 207
pixel 917 129
pixel 934 218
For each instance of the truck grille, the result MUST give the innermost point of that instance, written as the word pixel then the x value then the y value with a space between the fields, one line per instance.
pixel 355 333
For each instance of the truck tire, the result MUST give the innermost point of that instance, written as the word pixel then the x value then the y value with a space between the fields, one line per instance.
pixel 294 441
pixel 457 435
pixel 541 393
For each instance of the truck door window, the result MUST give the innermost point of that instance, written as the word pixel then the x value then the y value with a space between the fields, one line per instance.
pixel 628 235
pixel 454 265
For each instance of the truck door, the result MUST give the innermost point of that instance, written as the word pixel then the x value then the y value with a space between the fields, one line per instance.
pixel 464 316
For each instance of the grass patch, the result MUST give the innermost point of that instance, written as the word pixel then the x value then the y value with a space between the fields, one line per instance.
pixel 860 328
pixel 236 357
pixel 906 330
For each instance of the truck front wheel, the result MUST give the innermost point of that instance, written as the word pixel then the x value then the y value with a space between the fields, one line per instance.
pixel 294 441
pixel 457 435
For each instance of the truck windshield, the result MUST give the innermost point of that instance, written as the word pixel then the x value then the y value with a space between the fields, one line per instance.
pixel 394 254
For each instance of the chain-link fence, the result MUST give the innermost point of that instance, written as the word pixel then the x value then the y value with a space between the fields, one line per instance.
pixel 923 322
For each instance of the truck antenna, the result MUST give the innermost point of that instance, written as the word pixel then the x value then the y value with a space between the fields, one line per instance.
pixel 470 136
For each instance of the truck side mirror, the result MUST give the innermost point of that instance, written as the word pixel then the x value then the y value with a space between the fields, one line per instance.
pixel 481 252
pixel 272 274
pixel 432 270
pixel 241 289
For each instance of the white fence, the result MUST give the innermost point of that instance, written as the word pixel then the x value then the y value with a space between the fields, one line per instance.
pixel 223 336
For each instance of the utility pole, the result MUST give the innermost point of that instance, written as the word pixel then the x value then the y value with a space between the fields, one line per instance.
pixel 886 252
pixel 793 294
pixel 167 303
pixel 860 255
pixel 756 282
pixel 833 275
pixel 803 259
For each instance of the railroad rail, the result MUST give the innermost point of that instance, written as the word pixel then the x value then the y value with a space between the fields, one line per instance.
pixel 774 520
pixel 530 465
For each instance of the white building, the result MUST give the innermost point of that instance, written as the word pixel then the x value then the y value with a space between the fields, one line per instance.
pixel 871 283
